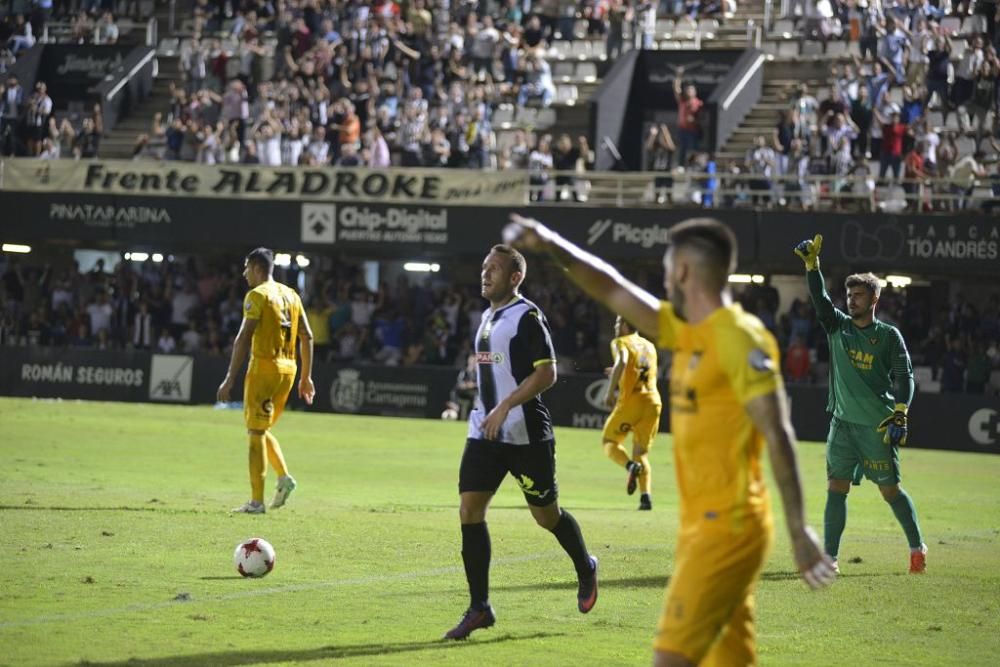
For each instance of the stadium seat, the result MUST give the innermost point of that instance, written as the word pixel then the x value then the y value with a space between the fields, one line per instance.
pixel 503 115
pixel 836 48
pixel 670 44
pixel 664 27
pixel 580 29
pixel 586 72
pixel 951 24
pixel 957 49
pixel 527 116
pixel 599 50
pixel 580 49
pixel 685 30
pixel 545 118
pixel 560 49
pixel 562 71
pixel 965 145
pixel 784 27
pixel 811 48
pixel 788 48
pixel 566 94
pixel 708 28
pixel 504 140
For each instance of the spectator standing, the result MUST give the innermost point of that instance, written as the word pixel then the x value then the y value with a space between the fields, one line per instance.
pixel 39 110
pixel 688 123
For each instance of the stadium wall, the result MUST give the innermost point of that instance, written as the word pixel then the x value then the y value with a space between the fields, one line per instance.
pixel 938 421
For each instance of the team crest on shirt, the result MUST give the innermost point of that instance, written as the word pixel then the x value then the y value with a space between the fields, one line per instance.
pixel 759 361
pixel 873 341
pixel 489 357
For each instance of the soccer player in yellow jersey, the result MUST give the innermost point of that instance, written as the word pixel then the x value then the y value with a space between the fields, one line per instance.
pixel 635 408
pixel 726 401
pixel 273 322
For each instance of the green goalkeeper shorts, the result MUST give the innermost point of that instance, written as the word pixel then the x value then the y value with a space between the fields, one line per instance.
pixel 853 451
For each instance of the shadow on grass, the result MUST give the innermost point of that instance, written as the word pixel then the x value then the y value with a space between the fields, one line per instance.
pixel 791 576
pixel 655 581
pixel 226 578
pixel 235 658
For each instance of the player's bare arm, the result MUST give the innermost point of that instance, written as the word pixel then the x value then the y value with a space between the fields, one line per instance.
pixel 307 391
pixel 241 349
pixel 770 415
pixel 601 281
pixel 543 377
pixel 621 360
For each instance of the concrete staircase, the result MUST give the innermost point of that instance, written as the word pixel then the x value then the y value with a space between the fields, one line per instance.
pixel 120 142
pixel 778 78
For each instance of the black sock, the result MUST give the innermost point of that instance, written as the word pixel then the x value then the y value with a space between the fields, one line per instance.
pixel 646 498
pixel 567 531
pixel 476 556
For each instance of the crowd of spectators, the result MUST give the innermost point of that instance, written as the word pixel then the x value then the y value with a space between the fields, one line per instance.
pixel 28 126
pixel 195 306
pixel 918 103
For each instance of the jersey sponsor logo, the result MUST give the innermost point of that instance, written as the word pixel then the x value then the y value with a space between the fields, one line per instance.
pixel 489 357
pixel 760 361
pixel 624 428
pixel 984 427
pixel 528 487
pixel 860 359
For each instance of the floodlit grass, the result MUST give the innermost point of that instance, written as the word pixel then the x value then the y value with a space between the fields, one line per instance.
pixel 118 544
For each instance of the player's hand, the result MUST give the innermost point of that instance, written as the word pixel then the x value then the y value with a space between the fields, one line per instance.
pixel 894 427
pixel 809 252
pixel 526 233
pixel 307 390
pixel 815 566
pixel 222 395
pixel 494 421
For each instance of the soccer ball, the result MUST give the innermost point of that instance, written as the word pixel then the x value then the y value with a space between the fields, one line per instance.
pixel 449 414
pixel 254 557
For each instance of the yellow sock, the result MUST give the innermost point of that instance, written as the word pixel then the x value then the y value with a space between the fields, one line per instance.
pixel 258 467
pixel 274 455
pixel 646 476
pixel 616 452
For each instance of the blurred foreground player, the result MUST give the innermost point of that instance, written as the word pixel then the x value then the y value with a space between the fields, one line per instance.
pixel 273 321
pixel 726 399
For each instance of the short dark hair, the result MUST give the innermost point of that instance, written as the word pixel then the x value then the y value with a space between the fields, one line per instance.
pixel 869 280
pixel 714 240
pixel 516 258
pixel 263 258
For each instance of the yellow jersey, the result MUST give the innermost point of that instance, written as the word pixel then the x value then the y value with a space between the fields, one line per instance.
pixel 638 380
pixel 277 309
pixel 718 366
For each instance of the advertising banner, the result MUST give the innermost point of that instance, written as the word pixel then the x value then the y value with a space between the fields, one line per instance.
pixel 185 179
pixel 959 422
pixel 70 70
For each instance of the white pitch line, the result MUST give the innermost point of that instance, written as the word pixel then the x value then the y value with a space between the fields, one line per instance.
pixel 290 588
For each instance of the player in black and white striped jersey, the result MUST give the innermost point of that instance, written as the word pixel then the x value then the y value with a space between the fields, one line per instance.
pixel 510 431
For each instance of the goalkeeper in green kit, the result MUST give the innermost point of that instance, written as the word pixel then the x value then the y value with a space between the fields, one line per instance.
pixel 871 385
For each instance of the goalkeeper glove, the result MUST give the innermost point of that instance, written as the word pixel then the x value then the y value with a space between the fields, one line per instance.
pixel 809 252
pixel 894 427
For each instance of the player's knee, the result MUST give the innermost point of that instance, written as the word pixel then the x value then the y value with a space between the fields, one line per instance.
pixel 609 446
pixel 889 493
pixel 546 517
pixel 839 486
pixel 670 659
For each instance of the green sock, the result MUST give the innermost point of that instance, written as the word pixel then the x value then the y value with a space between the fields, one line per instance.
pixel 906 514
pixel 834 520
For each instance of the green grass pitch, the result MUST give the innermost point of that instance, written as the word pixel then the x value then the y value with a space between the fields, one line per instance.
pixel 117 548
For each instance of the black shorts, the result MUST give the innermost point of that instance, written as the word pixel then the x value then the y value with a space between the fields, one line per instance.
pixel 485 463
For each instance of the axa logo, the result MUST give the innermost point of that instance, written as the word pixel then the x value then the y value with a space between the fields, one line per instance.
pixel 170 377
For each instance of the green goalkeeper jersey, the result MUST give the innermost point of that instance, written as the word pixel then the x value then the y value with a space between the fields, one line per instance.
pixel 864 363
